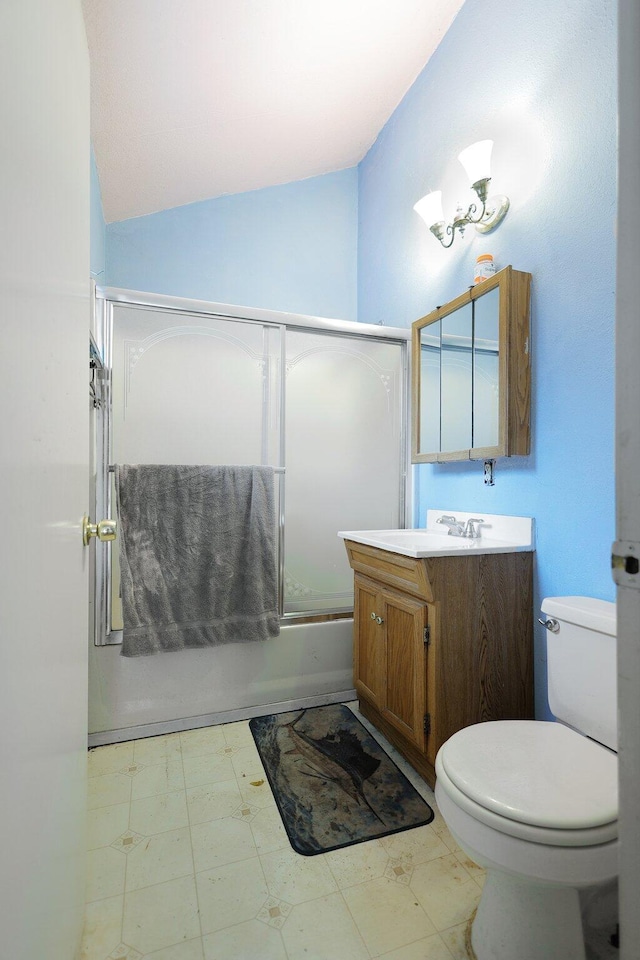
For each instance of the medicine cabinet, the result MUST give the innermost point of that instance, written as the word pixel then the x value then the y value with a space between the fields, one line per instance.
pixel 471 374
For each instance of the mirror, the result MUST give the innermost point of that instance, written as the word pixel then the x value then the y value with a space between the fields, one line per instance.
pixel 471 374
pixel 486 370
pixel 456 379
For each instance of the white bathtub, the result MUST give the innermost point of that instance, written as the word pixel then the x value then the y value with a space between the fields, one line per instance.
pixel 307 665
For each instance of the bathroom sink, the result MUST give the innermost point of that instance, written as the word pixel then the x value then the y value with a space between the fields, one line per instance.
pixel 499 534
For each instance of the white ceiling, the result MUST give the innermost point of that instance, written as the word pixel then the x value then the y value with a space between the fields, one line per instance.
pixel 193 99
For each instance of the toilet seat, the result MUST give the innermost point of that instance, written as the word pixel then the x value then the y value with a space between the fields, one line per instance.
pixel 535 780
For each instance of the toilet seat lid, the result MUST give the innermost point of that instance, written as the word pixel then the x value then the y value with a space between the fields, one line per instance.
pixel 535 772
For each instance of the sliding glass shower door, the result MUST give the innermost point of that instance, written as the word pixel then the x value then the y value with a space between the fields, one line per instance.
pixel 325 408
pixel 344 465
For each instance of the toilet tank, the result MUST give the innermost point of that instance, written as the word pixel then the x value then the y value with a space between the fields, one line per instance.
pixel 582 667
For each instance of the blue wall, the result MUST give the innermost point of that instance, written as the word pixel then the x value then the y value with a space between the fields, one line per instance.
pixel 544 91
pixel 290 247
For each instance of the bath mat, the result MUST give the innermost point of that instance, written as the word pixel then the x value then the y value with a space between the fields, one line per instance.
pixel 333 783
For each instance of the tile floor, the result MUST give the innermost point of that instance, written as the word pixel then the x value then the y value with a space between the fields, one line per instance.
pixel 188 860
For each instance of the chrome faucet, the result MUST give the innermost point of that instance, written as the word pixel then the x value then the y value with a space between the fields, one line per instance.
pixel 458 529
pixel 471 531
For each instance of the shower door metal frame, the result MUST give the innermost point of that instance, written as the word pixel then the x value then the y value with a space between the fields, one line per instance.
pixel 105 300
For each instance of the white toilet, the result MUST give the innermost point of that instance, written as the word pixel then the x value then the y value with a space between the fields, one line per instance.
pixel 536 803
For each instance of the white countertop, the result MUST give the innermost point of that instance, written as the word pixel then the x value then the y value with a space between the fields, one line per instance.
pixel 499 534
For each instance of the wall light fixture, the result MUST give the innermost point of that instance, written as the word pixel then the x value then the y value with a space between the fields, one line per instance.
pixel 476 161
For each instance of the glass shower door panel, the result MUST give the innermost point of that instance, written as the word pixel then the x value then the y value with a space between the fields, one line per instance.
pixel 344 459
pixel 190 389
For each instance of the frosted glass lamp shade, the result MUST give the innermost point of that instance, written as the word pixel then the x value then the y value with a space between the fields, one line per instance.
pixel 430 208
pixel 476 160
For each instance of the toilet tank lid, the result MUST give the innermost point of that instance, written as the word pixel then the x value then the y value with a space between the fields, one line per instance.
pixel 587 612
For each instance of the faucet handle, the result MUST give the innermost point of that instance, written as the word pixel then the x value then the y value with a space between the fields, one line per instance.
pixel 445 518
pixel 471 529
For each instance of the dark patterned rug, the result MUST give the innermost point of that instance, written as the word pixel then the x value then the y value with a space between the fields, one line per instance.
pixel 333 783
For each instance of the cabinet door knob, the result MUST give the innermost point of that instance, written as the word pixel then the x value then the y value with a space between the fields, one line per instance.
pixel 373 616
pixel 379 620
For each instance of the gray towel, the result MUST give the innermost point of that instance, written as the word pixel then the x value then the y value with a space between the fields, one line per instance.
pixel 197 556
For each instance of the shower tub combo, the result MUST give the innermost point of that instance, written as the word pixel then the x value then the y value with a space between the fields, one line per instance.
pixel 324 402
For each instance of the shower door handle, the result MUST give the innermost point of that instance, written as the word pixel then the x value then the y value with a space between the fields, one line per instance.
pixel 105 530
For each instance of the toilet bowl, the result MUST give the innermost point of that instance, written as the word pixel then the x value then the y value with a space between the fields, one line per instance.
pixel 535 802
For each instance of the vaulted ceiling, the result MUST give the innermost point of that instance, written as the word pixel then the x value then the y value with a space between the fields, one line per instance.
pixel 193 99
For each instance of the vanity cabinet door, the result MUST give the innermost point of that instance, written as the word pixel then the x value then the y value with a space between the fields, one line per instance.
pixel 405 708
pixel 368 642
pixel 390 661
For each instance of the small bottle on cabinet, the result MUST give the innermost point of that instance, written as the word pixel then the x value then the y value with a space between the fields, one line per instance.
pixel 485 267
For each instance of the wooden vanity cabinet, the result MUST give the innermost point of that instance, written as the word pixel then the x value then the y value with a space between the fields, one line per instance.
pixel 441 643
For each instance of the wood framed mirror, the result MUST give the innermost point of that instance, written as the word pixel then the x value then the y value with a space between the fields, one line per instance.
pixel 471 374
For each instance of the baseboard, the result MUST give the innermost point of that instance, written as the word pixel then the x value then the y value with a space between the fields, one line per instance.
pixel 212 719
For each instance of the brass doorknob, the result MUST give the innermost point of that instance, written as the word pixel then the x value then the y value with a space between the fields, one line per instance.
pixel 104 530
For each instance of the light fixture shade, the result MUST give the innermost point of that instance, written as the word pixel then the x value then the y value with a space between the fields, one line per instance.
pixel 430 208
pixel 476 160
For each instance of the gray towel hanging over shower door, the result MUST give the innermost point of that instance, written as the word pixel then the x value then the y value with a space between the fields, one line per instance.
pixel 197 556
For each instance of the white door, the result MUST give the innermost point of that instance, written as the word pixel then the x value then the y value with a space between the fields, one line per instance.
pixel 44 310
pixel 628 471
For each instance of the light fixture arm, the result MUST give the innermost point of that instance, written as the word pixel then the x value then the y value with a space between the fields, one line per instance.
pixel 462 220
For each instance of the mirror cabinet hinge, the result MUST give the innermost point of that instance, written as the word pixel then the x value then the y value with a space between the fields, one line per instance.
pixel 427 723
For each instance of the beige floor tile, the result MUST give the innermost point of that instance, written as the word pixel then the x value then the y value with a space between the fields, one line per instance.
pixel 439 826
pixel 471 867
pixel 456 940
pixel 445 891
pixel 168 811
pixel 431 948
pixel 295 879
pixel 256 790
pixel 213 800
pixel 205 740
pixel 251 940
pixel 387 915
pixel 358 863
pixel 107 789
pixel 124 952
pixel 156 859
pixel 211 768
pixel 323 929
pixel 163 777
pixel 157 749
pixel 268 832
pixel 247 763
pixel 106 824
pixel 105 873
pixel 102 928
pixel 238 734
pixel 417 845
pixel 231 894
pixel 216 842
pixel 188 950
pixel 110 759
pixel 160 916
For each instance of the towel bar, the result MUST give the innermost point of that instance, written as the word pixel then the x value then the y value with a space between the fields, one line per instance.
pixel 112 468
